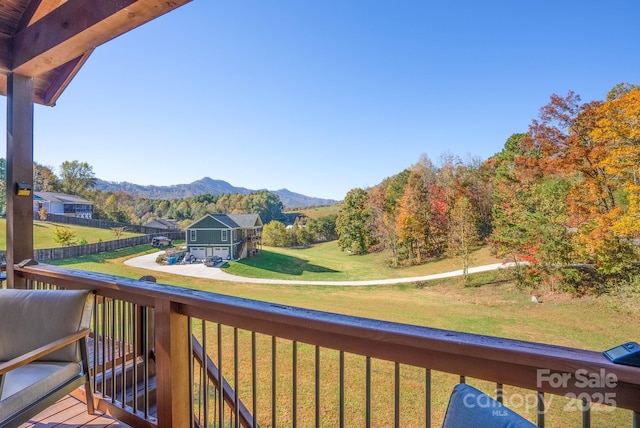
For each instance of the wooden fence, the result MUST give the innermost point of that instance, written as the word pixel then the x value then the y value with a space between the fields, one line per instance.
pixel 46 254
pixel 102 224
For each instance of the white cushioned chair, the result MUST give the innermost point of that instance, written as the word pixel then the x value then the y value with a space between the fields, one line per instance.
pixel 43 350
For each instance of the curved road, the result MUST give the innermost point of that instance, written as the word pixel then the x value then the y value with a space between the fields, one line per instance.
pixel 199 270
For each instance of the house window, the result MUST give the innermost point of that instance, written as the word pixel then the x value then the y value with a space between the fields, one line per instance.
pixel 224 235
pixel 192 235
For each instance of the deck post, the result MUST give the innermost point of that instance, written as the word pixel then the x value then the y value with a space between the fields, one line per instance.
pixel 172 365
pixel 19 170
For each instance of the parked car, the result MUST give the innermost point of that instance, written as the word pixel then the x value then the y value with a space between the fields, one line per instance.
pixel 188 258
pixel 212 261
pixel 161 242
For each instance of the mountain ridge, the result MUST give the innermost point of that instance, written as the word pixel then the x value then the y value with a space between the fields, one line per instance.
pixel 206 185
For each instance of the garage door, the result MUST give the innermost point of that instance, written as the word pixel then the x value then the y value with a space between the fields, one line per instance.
pixel 198 252
pixel 221 251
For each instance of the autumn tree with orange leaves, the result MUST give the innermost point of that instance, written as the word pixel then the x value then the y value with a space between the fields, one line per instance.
pixel 572 191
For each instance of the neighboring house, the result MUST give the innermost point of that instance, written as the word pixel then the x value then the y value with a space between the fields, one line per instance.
pixel 230 236
pixel 62 204
pixel 163 223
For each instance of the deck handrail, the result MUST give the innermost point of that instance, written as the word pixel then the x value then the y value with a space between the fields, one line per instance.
pixel 500 360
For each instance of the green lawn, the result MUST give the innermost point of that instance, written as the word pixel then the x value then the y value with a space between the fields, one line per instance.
pixel 493 307
pixel 43 234
pixel 325 262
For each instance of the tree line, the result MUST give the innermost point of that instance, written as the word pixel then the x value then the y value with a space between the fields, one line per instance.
pixel 564 197
pixel 77 178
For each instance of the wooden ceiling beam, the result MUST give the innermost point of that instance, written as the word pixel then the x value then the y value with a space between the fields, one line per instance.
pixel 63 76
pixel 77 27
pixel 35 10
pixel 32 13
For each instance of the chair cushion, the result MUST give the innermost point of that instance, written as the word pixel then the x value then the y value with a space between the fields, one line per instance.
pixel 30 319
pixel 33 381
pixel 469 407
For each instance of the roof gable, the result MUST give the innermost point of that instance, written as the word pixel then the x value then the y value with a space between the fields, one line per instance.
pixel 213 221
pixel 227 221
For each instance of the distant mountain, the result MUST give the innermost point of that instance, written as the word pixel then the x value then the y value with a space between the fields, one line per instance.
pixel 204 186
pixel 295 200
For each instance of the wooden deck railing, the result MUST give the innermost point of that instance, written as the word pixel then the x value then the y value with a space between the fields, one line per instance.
pixel 293 366
pixel 209 372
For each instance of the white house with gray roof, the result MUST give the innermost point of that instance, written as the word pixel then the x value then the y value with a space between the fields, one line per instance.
pixel 62 204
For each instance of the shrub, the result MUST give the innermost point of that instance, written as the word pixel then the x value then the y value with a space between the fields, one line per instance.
pixel 64 236
pixel 42 214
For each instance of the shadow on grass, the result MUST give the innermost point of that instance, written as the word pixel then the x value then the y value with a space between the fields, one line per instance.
pixel 283 264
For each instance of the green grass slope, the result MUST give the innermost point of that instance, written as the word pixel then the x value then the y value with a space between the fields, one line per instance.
pixel 43 234
pixel 325 262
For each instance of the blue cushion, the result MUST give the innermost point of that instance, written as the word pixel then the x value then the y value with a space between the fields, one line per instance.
pixel 469 407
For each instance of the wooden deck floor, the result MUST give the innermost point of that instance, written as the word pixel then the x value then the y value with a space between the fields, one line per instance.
pixel 70 412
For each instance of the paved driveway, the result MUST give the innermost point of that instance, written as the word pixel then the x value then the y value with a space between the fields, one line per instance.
pixel 199 270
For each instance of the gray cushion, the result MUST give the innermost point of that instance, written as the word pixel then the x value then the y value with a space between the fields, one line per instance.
pixel 469 407
pixel 33 382
pixel 30 319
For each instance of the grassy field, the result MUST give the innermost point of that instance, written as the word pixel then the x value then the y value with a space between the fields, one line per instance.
pixel 43 234
pixel 493 307
pixel 316 212
pixel 325 262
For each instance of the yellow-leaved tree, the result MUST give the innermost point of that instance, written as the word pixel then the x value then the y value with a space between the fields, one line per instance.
pixel 619 130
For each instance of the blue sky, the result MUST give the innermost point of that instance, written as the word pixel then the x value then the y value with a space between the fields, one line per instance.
pixel 322 96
